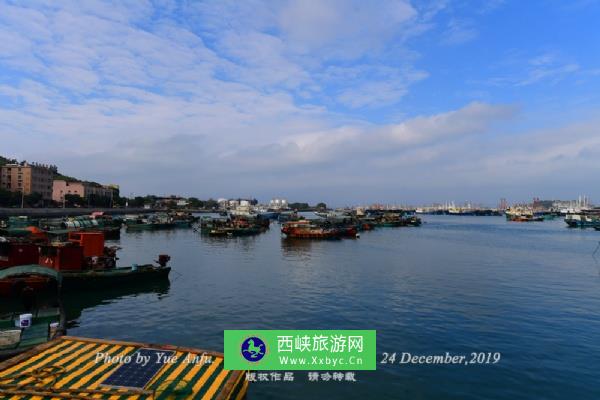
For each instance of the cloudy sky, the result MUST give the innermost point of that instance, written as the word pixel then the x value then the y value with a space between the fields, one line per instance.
pixel 342 101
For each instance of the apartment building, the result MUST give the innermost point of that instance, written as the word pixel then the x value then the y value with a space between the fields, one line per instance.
pixel 28 178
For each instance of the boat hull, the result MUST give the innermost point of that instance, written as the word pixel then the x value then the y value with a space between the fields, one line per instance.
pixel 113 277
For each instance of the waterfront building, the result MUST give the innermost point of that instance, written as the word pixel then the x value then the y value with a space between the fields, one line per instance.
pixel 62 187
pixel 28 178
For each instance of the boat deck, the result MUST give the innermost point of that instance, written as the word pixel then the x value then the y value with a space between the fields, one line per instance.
pixel 67 368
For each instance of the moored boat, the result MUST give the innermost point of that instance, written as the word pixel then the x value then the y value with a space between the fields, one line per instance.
pixel 151 222
pixel 233 226
pixel 526 218
pixel 114 277
pixel 38 318
pixel 83 261
pixel 307 230
pixel 582 221
pixel 523 215
pixel 286 216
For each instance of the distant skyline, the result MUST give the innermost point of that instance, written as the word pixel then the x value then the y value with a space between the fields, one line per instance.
pixel 345 102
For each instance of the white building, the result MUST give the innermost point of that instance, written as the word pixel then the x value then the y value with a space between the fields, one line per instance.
pixel 278 204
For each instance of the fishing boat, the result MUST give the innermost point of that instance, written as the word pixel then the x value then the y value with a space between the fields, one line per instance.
pixel 461 211
pixel 183 220
pixel 526 218
pixel 82 368
pixel 140 224
pixel 411 220
pixel 120 276
pixel 107 220
pixel 21 226
pixel 286 216
pixel 336 215
pixel 267 214
pixel 40 316
pixel 25 227
pixel 397 219
pixel 367 224
pixel 83 261
pixel 111 232
pixel 308 230
pixel 545 215
pixel 523 215
pixel 233 226
pixel 582 221
pixel 152 222
pixel 17 251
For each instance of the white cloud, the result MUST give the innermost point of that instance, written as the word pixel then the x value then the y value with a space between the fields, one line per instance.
pixel 342 29
pixel 459 32
pixel 220 97
pixel 546 67
pixel 375 85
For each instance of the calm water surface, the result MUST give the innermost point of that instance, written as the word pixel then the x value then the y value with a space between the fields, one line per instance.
pixel 457 284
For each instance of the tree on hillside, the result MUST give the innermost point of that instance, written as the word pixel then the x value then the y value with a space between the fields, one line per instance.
pixel 194 202
pixel 299 206
pixel 211 204
pixel 9 199
pixel 33 200
pixel 74 200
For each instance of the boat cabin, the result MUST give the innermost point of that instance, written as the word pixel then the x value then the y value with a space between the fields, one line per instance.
pixel 17 252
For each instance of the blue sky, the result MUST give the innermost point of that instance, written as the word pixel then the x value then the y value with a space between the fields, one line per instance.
pixel 343 101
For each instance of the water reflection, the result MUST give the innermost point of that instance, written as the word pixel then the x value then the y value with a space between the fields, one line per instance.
pixel 75 303
pixel 244 243
pixel 297 248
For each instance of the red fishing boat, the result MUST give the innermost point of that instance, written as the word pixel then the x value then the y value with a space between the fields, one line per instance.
pixel 14 251
pixel 306 230
pixel 83 261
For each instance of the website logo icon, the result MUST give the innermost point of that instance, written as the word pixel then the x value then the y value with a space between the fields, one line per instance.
pixel 254 349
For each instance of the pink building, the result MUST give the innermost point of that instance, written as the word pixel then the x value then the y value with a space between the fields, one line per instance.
pixel 83 189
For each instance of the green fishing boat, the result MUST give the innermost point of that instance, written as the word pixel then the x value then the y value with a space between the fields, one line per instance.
pixel 120 276
pixel 36 315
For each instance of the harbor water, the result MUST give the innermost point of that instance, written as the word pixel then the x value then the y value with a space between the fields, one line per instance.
pixel 530 292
